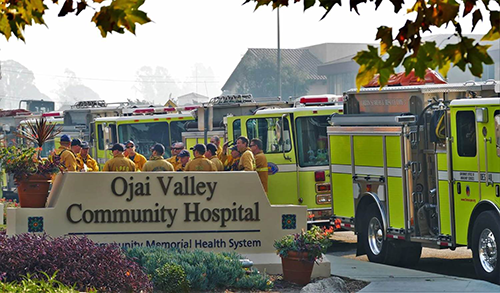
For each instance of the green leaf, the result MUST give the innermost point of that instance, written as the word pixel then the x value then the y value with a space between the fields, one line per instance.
pixel 494 32
pixel 4 26
pixel 476 56
pixel 328 5
pixel 396 55
pixel 369 63
pixel 444 12
pixel 354 4
pixel 384 34
pixel 398 4
pixel 308 4
pixel 476 17
pixel 120 15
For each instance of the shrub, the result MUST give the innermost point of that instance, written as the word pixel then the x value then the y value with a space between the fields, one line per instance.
pixel 28 284
pixel 78 260
pixel 204 270
pixel 7 204
pixel 171 278
pixel 314 241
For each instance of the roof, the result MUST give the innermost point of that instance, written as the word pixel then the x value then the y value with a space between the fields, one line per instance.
pixel 300 59
pixel 191 99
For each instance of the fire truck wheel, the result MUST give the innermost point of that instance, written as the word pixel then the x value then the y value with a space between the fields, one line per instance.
pixel 377 249
pixel 410 255
pixel 485 245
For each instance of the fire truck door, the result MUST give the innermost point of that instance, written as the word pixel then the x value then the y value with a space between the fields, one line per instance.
pixel 488 125
pixel 466 156
pixel 105 136
pixel 276 134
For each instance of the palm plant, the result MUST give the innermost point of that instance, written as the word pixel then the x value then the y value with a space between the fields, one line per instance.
pixel 39 131
pixel 25 161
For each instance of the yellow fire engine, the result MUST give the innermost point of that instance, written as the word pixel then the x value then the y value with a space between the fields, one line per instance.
pixel 293 134
pixel 295 144
pixel 144 126
pixel 419 166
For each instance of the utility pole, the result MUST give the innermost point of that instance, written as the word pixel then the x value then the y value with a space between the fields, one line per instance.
pixel 279 55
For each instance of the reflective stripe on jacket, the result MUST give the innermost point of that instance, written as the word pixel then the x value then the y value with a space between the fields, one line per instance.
pixel 157 164
pixel 120 164
pixel 200 163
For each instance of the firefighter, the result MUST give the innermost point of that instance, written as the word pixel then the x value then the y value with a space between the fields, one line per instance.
pixel 119 162
pixel 223 156
pixel 184 158
pixel 87 162
pixel 138 159
pixel 157 162
pixel 211 154
pixel 260 161
pixel 200 163
pixel 247 160
pixel 66 157
pixel 176 148
pixel 233 160
pixel 216 141
pixel 76 147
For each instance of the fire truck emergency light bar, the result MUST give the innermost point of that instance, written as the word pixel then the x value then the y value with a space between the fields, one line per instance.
pixel 320 100
pixel 161 110
pixel 53 114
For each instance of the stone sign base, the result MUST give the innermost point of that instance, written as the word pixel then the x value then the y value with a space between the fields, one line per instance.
pixel 212 211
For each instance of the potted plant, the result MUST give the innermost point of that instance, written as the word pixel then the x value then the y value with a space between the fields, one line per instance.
pixel 32 173
pixel 299 251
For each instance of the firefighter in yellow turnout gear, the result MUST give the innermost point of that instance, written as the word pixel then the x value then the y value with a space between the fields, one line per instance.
pixel 200 163
pixel 216 141
pixel 175 160
pixel 119 162
pixel 138 159
pixel 211 154
pixel 85 161
pixel 66 156
pixel 260 161
pixel 157 162
pixel 247 160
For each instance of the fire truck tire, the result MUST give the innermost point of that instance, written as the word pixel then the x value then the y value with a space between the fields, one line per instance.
pixel 377 249
pixel 486 245
pixel 410 255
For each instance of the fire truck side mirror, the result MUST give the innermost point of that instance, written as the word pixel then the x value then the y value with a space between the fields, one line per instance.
pixel 283 138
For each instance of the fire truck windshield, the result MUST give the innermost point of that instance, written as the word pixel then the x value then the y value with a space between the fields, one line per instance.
pixel 144 135
pixel 312 145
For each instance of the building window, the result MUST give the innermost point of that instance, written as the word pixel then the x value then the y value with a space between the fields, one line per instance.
pixel 338 84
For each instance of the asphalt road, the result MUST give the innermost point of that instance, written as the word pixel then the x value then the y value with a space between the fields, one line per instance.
pixel 441 261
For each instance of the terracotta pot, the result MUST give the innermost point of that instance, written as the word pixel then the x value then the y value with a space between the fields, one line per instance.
pixel 297 268
pixel 33 191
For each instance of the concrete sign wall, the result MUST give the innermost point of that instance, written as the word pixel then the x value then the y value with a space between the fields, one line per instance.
pixel 226 211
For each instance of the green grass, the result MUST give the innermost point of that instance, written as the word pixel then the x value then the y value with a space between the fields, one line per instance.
pixel 51 285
